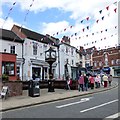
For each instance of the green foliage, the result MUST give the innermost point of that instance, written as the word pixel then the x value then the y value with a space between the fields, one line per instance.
pixel 5 77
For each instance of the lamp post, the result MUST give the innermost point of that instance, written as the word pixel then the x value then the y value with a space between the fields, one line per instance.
pixel 50 58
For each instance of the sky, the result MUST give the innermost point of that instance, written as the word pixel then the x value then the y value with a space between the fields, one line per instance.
pixel 76 19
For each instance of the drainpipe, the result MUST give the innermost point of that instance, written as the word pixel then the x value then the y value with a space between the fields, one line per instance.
pixel 23 60
pixel 59 60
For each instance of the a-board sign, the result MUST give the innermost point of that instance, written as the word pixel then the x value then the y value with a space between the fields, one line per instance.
pixel 4 91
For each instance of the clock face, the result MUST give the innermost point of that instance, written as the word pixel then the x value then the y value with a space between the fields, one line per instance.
pixel 47 55
pixel 53 54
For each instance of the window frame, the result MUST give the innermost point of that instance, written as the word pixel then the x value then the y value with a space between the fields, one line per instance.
pixel 9 65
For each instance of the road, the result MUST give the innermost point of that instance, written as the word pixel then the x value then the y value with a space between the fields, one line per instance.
pixel 98 105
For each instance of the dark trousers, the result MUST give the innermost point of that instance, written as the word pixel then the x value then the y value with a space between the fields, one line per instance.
pixel 92 85
pixel 80 86
pixel 105 83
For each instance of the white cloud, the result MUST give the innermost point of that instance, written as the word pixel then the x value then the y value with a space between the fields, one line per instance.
pixel 51 28
pixel 80 9
pixel 8 24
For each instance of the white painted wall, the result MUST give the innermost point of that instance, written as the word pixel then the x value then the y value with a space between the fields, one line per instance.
pixel 64 56
pixel 6 45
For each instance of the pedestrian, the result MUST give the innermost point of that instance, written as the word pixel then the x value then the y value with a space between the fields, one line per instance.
pixel 86 82
pixel 109 79
pixel 33 76
pixel 96 81
pixel 81 83
pixel 99 81
pixel 91 79
pixel 105 79
pixel 69 84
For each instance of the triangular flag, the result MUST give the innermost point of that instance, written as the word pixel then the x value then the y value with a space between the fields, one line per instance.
pixel 81 21
pixel 87 18
pixel 31 5
pixel 102 17
pixel 107 7
pixel 14 3
pixel 97 21
pixel 75 34
pixel 88 27
pixel 11 9
pixel 65 29
pixel 115 10
pixel 106 30
pixel 115 3
pixel 83 29
pixel 100 11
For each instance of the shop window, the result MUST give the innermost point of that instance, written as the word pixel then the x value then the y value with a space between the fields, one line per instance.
pixel 35 49
pixel 12 49
pixel 8 68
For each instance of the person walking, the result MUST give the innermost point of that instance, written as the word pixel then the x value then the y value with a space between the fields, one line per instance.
pixel 86 82
pixel 105 79
pixel 69 83
pixel 109 79
pixel 81 83
pixel 91 79
pixel 96 81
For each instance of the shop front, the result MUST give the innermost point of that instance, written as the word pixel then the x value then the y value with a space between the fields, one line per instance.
pixel 116 71
pixel 8 65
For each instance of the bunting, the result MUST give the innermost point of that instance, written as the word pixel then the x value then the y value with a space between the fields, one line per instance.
pixel 88 18
pixel 9 12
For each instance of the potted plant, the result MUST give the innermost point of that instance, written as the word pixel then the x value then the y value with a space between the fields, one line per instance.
pixel 5 78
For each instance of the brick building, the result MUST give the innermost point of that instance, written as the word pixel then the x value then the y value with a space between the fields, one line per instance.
pixel 107 58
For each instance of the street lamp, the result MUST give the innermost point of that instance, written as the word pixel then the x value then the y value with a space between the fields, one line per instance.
pixel 50 58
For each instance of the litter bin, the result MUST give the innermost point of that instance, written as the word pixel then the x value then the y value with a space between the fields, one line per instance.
pixel 34 88
pixel 51 86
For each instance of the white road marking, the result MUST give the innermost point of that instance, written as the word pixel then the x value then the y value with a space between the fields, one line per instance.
pixel 114 116
pixel 98 106
pixel 81 101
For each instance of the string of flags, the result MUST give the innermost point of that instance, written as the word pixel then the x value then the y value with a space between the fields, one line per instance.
pixel 96 41
pixel 87 19
pixel 9 12
pixel 93 33
pixel 25 18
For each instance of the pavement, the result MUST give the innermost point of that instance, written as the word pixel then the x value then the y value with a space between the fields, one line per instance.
pixel 60 94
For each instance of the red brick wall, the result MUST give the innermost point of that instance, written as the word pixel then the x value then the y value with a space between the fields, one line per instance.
pixel 113 54
pixel 7 57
